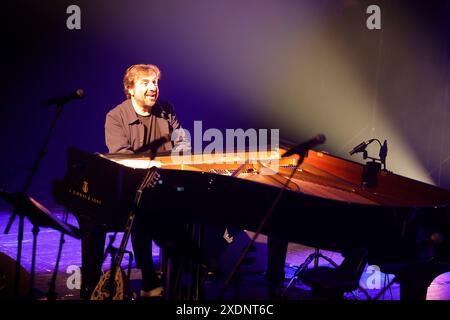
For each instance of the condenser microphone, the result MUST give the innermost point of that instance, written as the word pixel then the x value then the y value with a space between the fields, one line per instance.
pixel 361 147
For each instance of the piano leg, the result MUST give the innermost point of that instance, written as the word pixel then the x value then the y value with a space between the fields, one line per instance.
pixel 92 253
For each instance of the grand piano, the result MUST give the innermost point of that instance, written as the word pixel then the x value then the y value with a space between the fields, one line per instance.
pixel 404 224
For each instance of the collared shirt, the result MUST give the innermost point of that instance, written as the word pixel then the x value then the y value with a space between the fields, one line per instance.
pixel 125 133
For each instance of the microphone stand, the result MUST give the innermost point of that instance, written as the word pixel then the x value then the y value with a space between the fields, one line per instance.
pixel 302 154
pixel 16 212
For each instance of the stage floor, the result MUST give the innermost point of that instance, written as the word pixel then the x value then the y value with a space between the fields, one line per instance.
pixel 250 285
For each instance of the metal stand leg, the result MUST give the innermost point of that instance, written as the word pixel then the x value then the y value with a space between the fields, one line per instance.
pixel 301 268
pixel 33 260
pixel 315 256
pixel 19 255
pixel 51 295
pixel 388 286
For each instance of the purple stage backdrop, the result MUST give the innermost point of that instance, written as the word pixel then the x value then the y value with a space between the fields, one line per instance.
pixel 350 69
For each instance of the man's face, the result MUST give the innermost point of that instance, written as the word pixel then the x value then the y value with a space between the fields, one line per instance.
pixel 145 90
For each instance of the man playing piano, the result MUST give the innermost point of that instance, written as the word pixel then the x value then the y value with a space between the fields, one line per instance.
pixel 141 118
pixel 131 127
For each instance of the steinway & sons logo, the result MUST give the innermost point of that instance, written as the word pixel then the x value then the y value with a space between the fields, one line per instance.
pixel 84 195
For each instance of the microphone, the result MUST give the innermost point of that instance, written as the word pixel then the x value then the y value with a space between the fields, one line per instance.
pixel 302 148
pixel 361 147
pixel 59 101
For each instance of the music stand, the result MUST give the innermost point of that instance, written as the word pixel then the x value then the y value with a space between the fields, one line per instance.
pixel 42 215
pixel 39 216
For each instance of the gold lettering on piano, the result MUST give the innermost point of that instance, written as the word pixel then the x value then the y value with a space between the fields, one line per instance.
pixel 85 187
pixel 85 196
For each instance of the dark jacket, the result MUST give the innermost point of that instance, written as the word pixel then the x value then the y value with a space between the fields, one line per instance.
pixel 124 133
